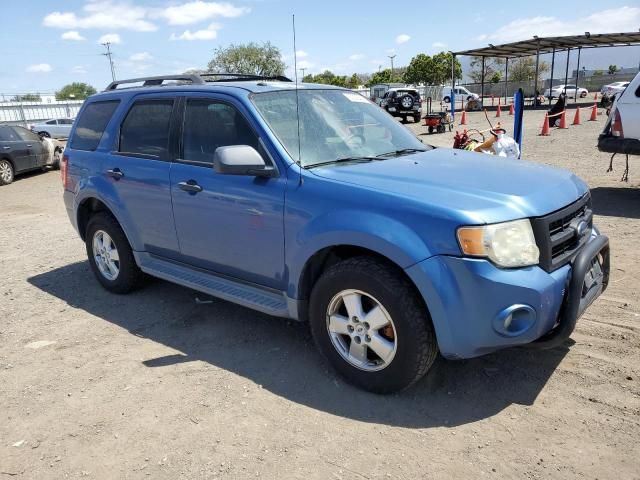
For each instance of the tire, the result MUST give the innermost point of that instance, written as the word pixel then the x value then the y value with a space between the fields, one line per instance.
pixel 44 134
pixel 441 129
pixel 406 102
pixel 404 120
pixel 57 155
pixel 128 277
pixel 416 119
pixel 430 129
pixel 583 94
pixel 368 282
pixel 7 173
pixel 446 99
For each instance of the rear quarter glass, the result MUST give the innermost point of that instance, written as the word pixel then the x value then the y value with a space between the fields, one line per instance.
pixel 91 124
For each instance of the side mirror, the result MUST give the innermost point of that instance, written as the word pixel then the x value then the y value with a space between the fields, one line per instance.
pixel 241 160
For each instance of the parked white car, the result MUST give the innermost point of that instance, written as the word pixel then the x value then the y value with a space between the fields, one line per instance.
pixel 569 90
pixel 54 128
pixel 459 92
pixel 613 88
pixel 621 133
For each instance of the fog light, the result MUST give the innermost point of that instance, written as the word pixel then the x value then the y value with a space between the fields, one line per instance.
pixel 514 320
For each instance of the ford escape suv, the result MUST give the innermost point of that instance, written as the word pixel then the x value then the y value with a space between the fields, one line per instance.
pixel 310 202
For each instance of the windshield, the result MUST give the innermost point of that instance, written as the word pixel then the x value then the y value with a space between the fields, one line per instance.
pixel 334 125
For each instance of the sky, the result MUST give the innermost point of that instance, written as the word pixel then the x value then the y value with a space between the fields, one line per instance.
pixel 47 44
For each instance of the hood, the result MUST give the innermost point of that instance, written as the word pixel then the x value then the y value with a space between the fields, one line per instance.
pixel 475 187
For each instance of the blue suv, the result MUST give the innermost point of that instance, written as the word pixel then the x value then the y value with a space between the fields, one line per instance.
pixel 310 202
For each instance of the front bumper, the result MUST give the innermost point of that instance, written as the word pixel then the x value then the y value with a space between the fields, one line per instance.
pixel 470 299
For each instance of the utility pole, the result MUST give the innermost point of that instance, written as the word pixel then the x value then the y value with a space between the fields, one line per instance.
pixel 303 70
pixel 391 57
pixel 107 45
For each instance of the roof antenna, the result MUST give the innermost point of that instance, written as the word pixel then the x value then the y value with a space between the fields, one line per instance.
pixel 295 70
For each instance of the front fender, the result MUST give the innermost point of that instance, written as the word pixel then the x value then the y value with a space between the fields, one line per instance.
pixel 383 235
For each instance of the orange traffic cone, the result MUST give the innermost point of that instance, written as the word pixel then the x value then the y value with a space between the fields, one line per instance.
pixel 511 109
pixel 545 126
pixel 498 111
pixel 463 118
pixel 576 118
pixel 594 113
pixel 563 120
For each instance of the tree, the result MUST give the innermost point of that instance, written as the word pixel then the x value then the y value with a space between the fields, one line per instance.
pixel 496 77
pixel 491 67
pixel 250 58
pixel 524 69
pixel 419 70
pixel 442 68
pixel 381 76
pixel 75 91
pixel 598 73
pixel 326 78
pixel 354 81
pixel 613 69
pixel 27 97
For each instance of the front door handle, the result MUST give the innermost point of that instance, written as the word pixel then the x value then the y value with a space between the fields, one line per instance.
pixel 115 173
pixel 7 148
pixel 190 186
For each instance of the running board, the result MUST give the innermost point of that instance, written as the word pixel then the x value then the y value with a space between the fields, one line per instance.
pixel 271 303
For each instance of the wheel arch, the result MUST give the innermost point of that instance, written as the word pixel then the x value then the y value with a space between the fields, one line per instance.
pixel 324 258
pixel 90 206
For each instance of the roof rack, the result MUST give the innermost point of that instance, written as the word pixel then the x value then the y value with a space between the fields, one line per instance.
pixel 154 81
pixel 195 78
pixel 231 77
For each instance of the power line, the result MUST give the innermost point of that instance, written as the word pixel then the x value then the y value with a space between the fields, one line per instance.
pixel 107 45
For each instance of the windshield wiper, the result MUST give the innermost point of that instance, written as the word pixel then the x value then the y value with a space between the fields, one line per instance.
pixel 345 159
pixel 402 151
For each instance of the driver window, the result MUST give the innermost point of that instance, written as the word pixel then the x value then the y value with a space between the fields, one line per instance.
pixel 209 124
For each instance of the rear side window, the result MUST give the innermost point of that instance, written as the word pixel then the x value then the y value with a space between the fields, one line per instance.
pixel 91 124
pixel 8 135
pixel 145 130
pixel 26 135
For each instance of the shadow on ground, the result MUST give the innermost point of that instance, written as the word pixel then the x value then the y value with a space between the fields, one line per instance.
pixel 280 355
pixel 616 202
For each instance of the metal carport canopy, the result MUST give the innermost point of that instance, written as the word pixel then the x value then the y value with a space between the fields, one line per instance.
pixel 539 45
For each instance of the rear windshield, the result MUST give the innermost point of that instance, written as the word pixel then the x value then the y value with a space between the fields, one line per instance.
pixel 91 124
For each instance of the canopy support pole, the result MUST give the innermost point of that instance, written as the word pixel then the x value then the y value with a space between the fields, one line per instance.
pixel 535 80
pixel 453 87
pixel 553 62
pixel 482 85
pixel 566 71
pixel 506 79
pixel 577 74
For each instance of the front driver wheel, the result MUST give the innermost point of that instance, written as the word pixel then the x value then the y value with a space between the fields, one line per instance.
pixel 371 325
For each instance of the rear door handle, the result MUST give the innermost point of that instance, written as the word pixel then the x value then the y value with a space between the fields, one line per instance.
pixel 29 145
pixel 190 186
pixel 7 148
pixel 115 173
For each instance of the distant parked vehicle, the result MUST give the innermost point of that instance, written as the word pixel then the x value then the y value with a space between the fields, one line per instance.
pixel 621 133
pixel 54 128
pixel 460 92
pixel 613 88
pixel 403 103
pixel 21 151
pixel 569 90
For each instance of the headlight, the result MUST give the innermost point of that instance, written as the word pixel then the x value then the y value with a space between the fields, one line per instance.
pixel 508 244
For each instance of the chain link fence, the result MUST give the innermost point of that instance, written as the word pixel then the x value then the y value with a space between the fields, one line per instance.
pixel 25 112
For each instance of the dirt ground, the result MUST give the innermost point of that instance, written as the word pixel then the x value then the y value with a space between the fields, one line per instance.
pixel 156 385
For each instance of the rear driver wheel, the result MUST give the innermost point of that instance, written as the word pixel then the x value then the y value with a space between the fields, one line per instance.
pixel 6 172
pixel 371 325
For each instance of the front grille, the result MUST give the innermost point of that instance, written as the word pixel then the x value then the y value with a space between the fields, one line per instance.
pixel 561 234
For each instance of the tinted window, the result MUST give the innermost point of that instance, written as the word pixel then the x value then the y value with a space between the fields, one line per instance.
pixel 145 129
pixel 65 121
pixel 51 122
pixel 26 135
pixel 8 135
pixel 91 124
pixel 209 124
